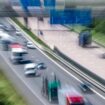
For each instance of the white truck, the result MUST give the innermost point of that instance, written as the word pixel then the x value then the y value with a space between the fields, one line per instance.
pixel 17 52
pixel 69 96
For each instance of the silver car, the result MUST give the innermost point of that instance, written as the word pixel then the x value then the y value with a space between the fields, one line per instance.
pixel 30 69
pixel 30 45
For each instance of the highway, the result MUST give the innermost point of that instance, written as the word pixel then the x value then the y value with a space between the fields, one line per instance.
pixel 32 85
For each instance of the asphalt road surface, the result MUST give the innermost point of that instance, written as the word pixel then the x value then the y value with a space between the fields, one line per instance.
pixel 31 87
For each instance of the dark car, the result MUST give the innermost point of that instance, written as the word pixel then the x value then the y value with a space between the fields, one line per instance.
pixel 85 87
pixel 41 66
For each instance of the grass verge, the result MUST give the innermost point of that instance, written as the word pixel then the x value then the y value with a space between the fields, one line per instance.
pixel 99 38
pixel 76 28
pixel 8 93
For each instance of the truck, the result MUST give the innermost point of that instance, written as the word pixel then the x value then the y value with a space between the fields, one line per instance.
pixel 50 86
pixel 85 38
pixel 70 96
pixel 62 95
pixel 17 52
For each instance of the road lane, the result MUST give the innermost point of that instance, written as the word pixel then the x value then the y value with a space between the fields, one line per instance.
pixel 34 83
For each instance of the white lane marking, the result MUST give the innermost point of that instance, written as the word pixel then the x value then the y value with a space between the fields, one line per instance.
pixel 98 93
pixel 27 36
pixel 36 95
pixel 63 69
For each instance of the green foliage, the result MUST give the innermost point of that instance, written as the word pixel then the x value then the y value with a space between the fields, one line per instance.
pixel 100 26
pixel 8 95
pixel 4 99
pixel 98 32
pixel 96 22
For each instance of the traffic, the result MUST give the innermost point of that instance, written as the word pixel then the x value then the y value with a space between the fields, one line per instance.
pixel 53 84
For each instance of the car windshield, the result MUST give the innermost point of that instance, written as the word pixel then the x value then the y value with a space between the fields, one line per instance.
pixel 85 86
pixel 17 31
pixel 76 104
pixel 41 64
pixel 30 69
pixel 29 43
pixel 17 54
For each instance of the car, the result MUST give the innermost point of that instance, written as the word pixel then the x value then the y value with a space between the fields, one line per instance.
pixel 85 87
pixel 9 28
pixel 41 66
pixel 18 33
pixel 30 45
pixel 30 69
pixel 17 52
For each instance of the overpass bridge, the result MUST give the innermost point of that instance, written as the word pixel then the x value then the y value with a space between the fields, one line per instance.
pixel 42 7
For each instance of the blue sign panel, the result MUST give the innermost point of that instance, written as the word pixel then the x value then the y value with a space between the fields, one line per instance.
pixel 34 3
pixel 71 16
pixel 24 4
pixel 60 17
pixel 83 16
pixel 49 3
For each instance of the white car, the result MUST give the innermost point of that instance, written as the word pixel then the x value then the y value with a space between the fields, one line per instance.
pixel 30 45
pixel 30 69
pixel 18 33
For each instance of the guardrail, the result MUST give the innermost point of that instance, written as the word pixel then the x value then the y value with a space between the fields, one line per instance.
pixel 78 69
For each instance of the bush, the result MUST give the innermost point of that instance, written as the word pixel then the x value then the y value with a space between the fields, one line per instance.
pixel 99 26
pixel 4 100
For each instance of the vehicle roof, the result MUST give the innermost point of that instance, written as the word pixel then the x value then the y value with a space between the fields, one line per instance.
pixel 40 63
pixel 54 84
pixel 18 50
pixel 16 45
pixel 72 95
pixel 75 99
pixel 29 43
pixel 30 65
